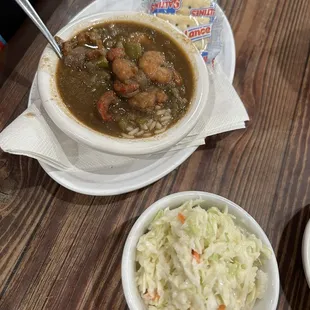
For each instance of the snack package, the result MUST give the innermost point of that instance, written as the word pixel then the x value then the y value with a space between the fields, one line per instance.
pixel 200 20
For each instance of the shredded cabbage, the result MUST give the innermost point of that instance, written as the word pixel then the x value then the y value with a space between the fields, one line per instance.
pixel 196 259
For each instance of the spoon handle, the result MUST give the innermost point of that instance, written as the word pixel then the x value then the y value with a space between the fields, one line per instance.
pixel 30 11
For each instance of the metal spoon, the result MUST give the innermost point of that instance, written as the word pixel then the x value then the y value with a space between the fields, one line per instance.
pixel 30 11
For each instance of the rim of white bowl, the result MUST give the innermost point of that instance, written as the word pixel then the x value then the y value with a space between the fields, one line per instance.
pixel 75 129
pixel 130 289
pixel 306 252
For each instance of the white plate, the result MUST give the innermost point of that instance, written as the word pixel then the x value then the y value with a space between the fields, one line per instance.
pixel 142 172
pixel 306 252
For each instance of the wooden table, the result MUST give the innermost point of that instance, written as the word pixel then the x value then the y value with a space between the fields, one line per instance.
pixel 62 250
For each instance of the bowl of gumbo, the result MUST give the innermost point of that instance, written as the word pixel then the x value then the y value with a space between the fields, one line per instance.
pixel 123 79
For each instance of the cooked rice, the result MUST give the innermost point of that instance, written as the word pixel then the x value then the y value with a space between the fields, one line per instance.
pixel 152 125
pixel 165 118
pixel 127 136
pixel 133 132
pixel 160 112
pixel 140 133
pixel 160 131
pixel 158 125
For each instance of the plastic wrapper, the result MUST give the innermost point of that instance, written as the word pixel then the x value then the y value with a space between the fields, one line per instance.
pixel 200 20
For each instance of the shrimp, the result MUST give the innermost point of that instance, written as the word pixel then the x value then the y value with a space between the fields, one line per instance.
pixel 146 101
pixel 153 65
pixel 163 75
pixel 116 52
pixel 124 69
pixel 127 89
pixel 157 58
pixel 104 103
pixel 161 96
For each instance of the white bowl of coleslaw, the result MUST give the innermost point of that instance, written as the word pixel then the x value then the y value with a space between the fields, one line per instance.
pixel 142 266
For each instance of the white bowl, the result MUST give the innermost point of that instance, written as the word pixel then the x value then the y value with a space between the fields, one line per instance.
pixel 71 126
pixel 132 295
pixel 306 252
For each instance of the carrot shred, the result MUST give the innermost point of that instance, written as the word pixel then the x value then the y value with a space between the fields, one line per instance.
pixel 153 298
pixel 181 218
pixel 156 297
pixel 222 307
pixel 196 256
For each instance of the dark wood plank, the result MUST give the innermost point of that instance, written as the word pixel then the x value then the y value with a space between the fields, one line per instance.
pixel 22 203
pixel 291 210
pixel 63 250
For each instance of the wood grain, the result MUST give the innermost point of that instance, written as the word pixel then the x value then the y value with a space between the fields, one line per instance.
pixel 62 250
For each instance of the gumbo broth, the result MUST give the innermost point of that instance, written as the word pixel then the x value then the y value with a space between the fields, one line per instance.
pixel 125 79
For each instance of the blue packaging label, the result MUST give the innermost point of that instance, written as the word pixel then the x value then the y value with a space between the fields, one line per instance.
pixel 204 55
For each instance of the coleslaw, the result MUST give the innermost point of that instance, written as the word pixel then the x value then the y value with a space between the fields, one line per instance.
pixel 192 258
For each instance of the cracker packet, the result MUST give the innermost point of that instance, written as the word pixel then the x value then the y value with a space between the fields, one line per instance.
pixel 200 20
